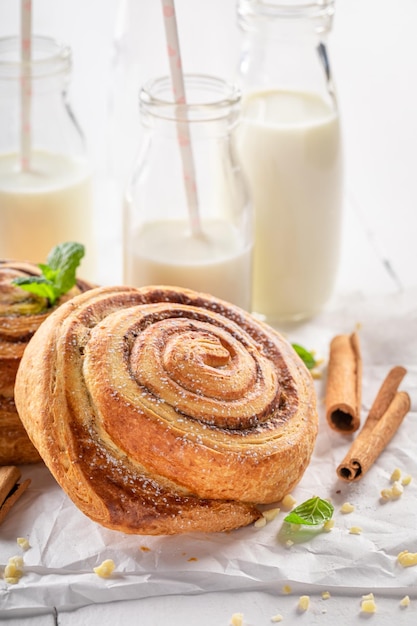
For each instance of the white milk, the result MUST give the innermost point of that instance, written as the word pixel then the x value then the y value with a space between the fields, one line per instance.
pixel 291 153
pixel 48 205
pixel 165 253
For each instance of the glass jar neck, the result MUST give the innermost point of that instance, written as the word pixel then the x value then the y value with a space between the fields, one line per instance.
pixel 33 95
pixel 210 102
pixel 48 67
pixel 284 45
pixel 286 18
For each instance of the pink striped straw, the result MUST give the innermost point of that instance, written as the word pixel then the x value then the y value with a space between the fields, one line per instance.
pixel 25 83
pixel 183 131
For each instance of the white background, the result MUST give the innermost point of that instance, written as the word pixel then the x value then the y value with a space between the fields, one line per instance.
pixel 373 50
pixel 117 44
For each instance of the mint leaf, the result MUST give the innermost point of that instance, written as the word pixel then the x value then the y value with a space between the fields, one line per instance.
pixel 58 274
pixel 308 358
pixel 63 261
pixel 37 285
pixel 311 512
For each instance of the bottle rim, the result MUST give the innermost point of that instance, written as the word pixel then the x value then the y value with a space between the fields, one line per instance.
pixel 207 98
pixel 49 58
pixel 289 10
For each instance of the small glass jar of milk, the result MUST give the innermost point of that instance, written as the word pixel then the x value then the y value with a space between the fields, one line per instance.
pixel 45 175
pixel 290 147
pixel 186 227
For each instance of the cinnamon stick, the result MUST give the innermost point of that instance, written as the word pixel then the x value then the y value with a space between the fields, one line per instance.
pixel 344 384
pixel 385 416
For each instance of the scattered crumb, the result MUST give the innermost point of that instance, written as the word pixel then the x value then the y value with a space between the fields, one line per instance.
pixel 327 526
pixel 145 549
pixel 303 603
pixel 288 502
pixel 396 491
pixel 270 514
pixel 286 589
pixel 325 595
pixel 192 558
pixel 355 530
pixel 289 543
pixel 347 507
pixel 407 559
pixel 17 561
pixel 105 569
pixel 237 619
pixel 406 480
pixel 13 571
pixel 368 604
pixel 277 618
pixel 23 543
pixel 405 601
pixel 260 523
pixel 368 596
pixel 386 494
pixel 396 475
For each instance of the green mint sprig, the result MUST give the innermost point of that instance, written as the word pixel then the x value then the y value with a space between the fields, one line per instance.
pixel 306 356
pixel 58 273
pixel 311 512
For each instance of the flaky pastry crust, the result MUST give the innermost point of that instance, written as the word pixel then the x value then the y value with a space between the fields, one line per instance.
pixel 20 316
pixel 162 410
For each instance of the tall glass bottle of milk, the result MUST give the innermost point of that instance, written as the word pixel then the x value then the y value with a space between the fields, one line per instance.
pixel 290 146
pixel 45 176
pixel 189 226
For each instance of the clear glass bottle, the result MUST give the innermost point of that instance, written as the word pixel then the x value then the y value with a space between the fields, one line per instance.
pixel 290 146
pixel 163 242
pixel 45 175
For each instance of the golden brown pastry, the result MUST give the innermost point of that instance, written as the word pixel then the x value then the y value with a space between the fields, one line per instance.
pixel 21 314
pixel 161 410
pixel 10 488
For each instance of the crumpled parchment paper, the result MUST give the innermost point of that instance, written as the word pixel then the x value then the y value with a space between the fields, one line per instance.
pixel 66 546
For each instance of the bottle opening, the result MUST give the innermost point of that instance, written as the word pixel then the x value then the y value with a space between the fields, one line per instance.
pixel 253 12
pixel 49 57
pixel 207 98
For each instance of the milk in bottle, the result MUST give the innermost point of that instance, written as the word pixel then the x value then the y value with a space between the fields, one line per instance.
pixel 290 147
pixel 47 205
pixel 46 194
pixel 160 244
pixel 290 151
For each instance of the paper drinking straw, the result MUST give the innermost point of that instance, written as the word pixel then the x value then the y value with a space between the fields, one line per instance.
pixel 183 131
pixel 25 82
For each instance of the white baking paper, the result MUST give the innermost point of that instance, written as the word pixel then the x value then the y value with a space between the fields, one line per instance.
pixel 66 545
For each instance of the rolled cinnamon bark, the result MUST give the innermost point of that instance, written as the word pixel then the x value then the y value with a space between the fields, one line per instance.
pixel 385 416
pixel 344 384
pixel 385 396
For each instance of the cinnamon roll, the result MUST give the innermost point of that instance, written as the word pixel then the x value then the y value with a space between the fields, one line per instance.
pixel 162 410
pixel 21 314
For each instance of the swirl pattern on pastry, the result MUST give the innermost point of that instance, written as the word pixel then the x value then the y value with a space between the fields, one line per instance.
pixel 162 410
pixel 21 314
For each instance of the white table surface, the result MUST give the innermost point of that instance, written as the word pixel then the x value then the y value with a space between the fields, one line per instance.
pixel 374 52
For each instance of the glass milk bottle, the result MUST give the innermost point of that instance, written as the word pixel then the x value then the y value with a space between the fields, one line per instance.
pixel 45 176
pixel 183 226
pixel 290 147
